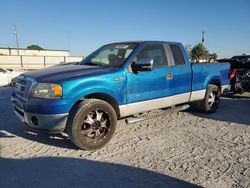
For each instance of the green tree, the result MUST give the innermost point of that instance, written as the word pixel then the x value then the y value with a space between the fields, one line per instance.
pixel 188 49
pixel 34 47
pixel 199 52
pixel 212 57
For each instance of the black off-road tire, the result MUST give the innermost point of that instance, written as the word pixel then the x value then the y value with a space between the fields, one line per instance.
pixel 79 131
pixel 205 105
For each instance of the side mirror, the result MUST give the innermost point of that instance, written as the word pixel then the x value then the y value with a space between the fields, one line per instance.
pixel 143 65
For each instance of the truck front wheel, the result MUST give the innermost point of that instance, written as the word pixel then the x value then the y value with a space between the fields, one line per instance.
pixel 212 99
pixel 91 124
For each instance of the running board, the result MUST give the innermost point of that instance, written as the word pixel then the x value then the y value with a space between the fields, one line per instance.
pixel 168 111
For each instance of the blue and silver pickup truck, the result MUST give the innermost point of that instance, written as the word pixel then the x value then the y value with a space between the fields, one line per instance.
pixel 118 80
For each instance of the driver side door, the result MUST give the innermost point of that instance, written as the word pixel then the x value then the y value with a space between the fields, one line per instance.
pixel 149 85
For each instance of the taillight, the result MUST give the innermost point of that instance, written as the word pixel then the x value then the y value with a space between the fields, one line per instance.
pixel 232 74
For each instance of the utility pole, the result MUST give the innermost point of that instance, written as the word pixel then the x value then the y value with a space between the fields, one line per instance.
pixel 17 44
pixel 202 37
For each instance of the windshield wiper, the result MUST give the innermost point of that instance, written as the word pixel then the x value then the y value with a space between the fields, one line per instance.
pixel 93 63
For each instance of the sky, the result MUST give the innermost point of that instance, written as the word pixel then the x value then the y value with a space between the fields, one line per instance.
pixel 84 25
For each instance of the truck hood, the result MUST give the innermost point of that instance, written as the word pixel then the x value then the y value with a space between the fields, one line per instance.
pixel 64 72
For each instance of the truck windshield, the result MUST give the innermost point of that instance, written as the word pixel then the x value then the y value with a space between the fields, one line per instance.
pixel 112 55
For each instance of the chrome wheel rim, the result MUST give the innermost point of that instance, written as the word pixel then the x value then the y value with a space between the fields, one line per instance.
pixel 213 99
pixel 95 126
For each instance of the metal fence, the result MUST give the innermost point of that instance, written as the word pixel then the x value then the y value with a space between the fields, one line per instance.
pixel 34 62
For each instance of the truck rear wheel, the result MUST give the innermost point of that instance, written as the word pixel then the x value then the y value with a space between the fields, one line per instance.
pixel 212 99
pixel 91 124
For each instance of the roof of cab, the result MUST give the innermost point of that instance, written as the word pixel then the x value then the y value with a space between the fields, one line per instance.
pixel 147 42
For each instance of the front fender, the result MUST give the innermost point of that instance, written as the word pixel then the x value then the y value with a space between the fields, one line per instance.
pixel 81 94
pixel 76 90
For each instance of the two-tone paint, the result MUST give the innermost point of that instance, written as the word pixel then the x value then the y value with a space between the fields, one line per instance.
pixel 129 93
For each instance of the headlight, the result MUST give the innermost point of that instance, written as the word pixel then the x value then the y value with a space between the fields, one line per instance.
pixel 47 90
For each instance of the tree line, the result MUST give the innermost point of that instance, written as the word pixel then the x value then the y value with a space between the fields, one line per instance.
pixel 200 53
pixel 34 47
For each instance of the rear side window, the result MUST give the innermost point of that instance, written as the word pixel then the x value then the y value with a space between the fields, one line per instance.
pixel 156 53
pixel 177 54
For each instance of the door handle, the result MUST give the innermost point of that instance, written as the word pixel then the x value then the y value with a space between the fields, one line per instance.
pixel 169 76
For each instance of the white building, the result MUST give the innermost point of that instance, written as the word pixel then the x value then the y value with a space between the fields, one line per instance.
pixel 27 52
pixel 34 59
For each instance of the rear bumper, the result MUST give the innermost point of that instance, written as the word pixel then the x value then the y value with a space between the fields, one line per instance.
pixel 53 123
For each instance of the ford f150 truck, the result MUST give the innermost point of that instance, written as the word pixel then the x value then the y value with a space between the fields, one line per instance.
pixel 118 80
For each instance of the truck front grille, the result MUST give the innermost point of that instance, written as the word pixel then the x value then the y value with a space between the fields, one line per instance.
pixel 23 87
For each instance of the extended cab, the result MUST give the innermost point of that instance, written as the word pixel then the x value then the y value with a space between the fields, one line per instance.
pixel 116 81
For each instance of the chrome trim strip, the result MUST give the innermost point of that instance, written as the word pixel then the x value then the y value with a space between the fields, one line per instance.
pixel 138 107
pixel 197 95
pixel 200 94
pixel 123 110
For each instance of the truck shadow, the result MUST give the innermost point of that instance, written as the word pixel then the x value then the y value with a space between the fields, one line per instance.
pixel 232 110
pixel 56 140
pixel 72 172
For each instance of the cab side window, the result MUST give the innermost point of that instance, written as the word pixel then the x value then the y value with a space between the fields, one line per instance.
pixel 177 54
pixel 154 52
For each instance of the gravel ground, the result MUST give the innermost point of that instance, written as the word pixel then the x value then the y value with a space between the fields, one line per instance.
pixel 182 149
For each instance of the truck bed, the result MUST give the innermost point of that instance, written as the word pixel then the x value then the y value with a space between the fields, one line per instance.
pixel 203 73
